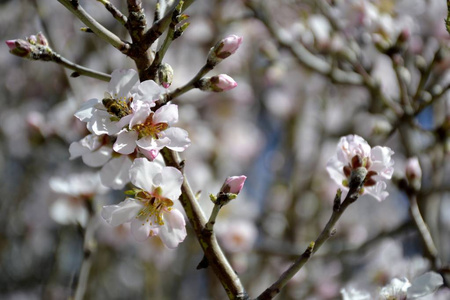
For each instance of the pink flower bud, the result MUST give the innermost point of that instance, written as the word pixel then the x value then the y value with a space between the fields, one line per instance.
pixel 19 47
pixel 229 45
pixel 233 184
pixel 222 83
pixel 41 39
pixel 223 49
pixel 413 172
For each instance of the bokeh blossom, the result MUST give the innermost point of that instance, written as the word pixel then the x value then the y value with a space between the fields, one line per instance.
pixel 353 152
pixel 151 210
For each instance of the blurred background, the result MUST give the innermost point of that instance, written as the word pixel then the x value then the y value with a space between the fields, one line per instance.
pixel 308 72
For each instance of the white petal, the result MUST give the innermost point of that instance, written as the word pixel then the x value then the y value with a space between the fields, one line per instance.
pixel 65 212
pixel 114 174
pixel 173 231
pixel 99 157
pixel 171 181
pixel 150 147
pixel 126 142
pixel 141 229
pixel 178 137
pixel 149 91
pixel 76 149
pixel 377 191
pixel 123 82
pixel 141 111
pixel 101 123
pixel 424 285
pixel 121 213
pixel 382 162
pixel 335 170
pixel 166 114
pixel 143 172
pixel 86 110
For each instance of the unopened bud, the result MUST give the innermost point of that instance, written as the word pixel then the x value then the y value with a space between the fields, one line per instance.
pixel 233 184
pixel 224 48
pixel 413 172
pixel 41 39
pixel 222 82
pixel 217 83
pixel 19 47
pixel 165 75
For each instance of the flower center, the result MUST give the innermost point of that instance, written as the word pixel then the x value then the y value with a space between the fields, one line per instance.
pixel 148 128
pixel 154 206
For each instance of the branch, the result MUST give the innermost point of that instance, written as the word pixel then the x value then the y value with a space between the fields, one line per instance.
pixel 74 7
pixel 115 12
pixel 303 56
pixel 207 239
pixel 423 230
pixel 327 232
pixel 79 70
pixel 161 25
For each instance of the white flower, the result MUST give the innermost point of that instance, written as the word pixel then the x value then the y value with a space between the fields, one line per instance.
pixel 73 192
pixel 151 210
pixel 354 152
pixel 151 131
pixel 96 152
pixel 395 290
pixel 114 111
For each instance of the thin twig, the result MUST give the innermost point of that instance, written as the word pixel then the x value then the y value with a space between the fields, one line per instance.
pixel 79 70
pixel 75 7
pixel 326 233
pixel 115 12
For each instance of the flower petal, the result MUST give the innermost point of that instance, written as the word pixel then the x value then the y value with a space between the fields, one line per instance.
pixel 101 123
pixel 123 82
pixel 86 110
pixel 166 114
pixel 377 191
pixel 141 111
pixel 382 162
pixel 149 91
pixel 121 213
pixel 171 181
pixel 98 158
pixel 141 229
pixel 178 137
pixel 424 285
pixel 143 172
pixel 126 142
pixel 114 174
pixel 173 231
pixel 335 170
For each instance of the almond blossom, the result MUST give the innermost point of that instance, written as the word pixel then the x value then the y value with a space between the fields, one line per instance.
pixel 353 152
pixel 96 151
pixel 151 210
pixel 115 110
pixel 151 131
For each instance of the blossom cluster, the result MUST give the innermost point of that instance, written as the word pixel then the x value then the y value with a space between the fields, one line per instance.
pixel 127 131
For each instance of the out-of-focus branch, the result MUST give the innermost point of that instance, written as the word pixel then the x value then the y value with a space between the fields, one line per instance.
pixel 424 232
pixel 327 232
pixel 89 250
pixel 74 7
pixel 207 239
pixel 447 21
pixel 303 56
